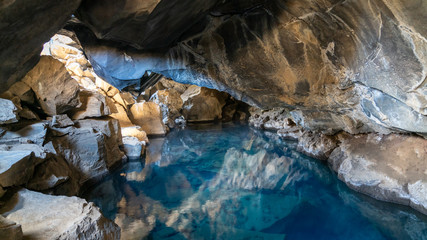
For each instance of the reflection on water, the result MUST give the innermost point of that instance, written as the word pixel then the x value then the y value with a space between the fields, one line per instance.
pixel 233 182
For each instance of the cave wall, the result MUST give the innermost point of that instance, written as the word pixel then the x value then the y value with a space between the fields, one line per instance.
pixel 24 27
pixel 338 65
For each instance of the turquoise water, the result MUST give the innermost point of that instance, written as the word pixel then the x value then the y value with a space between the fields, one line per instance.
pixel 234 182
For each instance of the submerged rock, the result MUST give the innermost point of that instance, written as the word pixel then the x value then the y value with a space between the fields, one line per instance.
pixel 148 116
pixel 55 90
pixel 57 217
pixel 386 167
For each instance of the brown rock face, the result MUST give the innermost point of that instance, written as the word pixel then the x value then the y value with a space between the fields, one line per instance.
pixel 25 26
pixel 56 91
pixel 342 65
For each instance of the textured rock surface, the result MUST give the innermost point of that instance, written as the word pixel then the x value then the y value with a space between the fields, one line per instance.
pixel 57 217
pixel 344 65
pixel 92 147
pixel 56 91
pixel 26 25
pixel 16 167
pixel 133 147
pixel 93 104
pixel 170 103
pixel 389 168
pixel 148 115
pixel 202 104
pixel 9 230
pixel 8 113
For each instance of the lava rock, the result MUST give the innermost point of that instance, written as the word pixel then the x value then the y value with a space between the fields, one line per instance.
pixel 148 116
pixel 386 167
pixel 9 111
pixel 58 217
pixel 170 103
pixel 202 104
pixel 94 104
pixel 56 91
pixel 9 230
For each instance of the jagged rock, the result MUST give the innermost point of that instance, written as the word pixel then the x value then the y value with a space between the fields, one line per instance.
pixel 57 217
pixel 25 27
pixel 23 92
pixel 316 145
pixel 8 113
pixel 23 133
pixel 26 113
pixel 94 104
pixel 61 121
pixel 9 230
pixel 273 119
pixel 170 103
pixel 202 104
pixel 386 167
pixel 91 147
pixel 56 91
pixel 333 61
pixel 16 167
pixel 148 116
pixel 133 147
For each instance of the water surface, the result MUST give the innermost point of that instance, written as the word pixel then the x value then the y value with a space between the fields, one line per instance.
pixel 233 182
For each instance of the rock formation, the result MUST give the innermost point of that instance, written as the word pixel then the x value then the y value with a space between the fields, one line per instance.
pixel 57 217
pixel 344 65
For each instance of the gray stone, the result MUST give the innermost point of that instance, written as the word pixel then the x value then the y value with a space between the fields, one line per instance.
pixel 8 112
pixel 22 133
pixel 170 103
pixel 316 145
pixel 133 147
pixel 61 121
pixel 9 230
pixel 55 90
pixel 386 167
pixel 57 217
pixel 16 167
pixel 91 147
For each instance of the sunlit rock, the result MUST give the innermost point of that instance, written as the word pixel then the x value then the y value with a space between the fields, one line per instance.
pixel 148 116
pixel 93 104
pixel 387 167
pixel 122 116
pixel 57 217
pixel 55 90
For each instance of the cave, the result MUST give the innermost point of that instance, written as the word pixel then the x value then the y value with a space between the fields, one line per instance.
pixel 233 119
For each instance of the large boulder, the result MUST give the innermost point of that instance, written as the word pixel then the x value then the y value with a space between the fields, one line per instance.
pixel 202 104
pixel 16 167
pixel 57 217
pixel 8 112
pixel 91 147
pixel 24 133
pixel 26 25
pixel 56 91
pixel 148 116
pixel 94 104
pixel 390 168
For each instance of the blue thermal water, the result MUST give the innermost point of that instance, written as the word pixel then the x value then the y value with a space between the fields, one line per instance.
pixel 233 182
